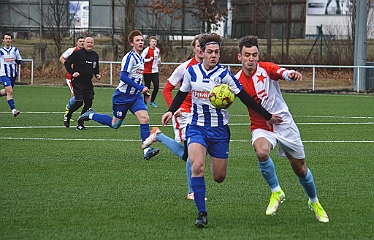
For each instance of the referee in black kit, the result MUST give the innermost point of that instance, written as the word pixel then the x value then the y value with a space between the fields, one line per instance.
pixel 82 65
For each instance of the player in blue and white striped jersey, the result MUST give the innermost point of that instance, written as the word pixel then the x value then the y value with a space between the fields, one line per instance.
pixel 9 60
pixel 208 131
pixel 128 94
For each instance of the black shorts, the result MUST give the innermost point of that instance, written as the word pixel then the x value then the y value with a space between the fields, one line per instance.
pixel 83 90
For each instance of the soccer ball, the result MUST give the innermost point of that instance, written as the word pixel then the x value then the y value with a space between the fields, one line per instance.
pixel 221 96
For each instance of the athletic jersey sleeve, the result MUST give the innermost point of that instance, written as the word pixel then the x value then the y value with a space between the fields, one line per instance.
pixel 144 54
pixel 168 93
pixel 124 77
pixel 67 53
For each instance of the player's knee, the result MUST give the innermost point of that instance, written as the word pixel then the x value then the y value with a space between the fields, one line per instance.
pixel 144 119
pixel 219 178
pixel 262 155
pixel 299 168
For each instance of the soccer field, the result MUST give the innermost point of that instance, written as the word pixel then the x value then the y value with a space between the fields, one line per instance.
pixel 59 183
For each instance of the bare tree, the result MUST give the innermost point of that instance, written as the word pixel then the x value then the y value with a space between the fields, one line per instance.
pixel 54 18
pixel 211 12
pixel 128 24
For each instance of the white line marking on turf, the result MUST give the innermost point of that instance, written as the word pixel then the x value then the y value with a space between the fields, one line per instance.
pixel 155 125
pixel 233 115
pixel 133 140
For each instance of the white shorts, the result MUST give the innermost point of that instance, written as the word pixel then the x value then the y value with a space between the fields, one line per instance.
pixel 70 84
pixel 288 139
pixel 179 125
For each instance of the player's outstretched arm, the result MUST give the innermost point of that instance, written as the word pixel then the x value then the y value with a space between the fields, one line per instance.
pixel 251 103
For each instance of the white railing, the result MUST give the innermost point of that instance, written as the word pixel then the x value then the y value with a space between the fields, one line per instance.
pixel 111 63
pixel 32 70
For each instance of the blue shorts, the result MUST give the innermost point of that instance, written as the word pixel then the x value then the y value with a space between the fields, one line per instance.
pixel 133 104
pixel 215 139
pixel 8 81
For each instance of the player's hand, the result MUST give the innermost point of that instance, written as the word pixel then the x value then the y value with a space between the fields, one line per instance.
pixel 147 97
pixel 295 76
pixel 274 120
pixel 145 90
pixel 75 74
pixel 166 118
pixel 98 76
pixel 178 113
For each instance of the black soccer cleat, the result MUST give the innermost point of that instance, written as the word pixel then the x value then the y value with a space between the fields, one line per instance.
pixel 202 220
pixel 81 127
pixel 66 121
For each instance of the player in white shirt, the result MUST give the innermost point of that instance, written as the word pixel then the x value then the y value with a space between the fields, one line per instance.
pixel 63 57
pixel 181 121
pixel 9 60
pixel 260 80
pixel 208 132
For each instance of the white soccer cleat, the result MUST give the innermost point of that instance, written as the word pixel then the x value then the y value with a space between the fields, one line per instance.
pixel 151 138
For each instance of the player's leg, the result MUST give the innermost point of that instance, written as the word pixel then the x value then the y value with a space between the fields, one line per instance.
pixel 290 143
pixel 119 114
pixel 263 143
pixel 197 150
pixel 307 181
pixel 147 82
pixel 8 84
pixel 138 108
pixel 197 153
pixel 72 97
pixel 156 86
pixel 78 90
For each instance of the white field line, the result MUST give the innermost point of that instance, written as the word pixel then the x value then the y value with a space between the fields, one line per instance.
pixel 231 124
pixel 137 140
pixel 156 125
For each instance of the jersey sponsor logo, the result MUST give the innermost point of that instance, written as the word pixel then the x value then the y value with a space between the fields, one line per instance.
pixel 139 71
pixel 201 94
pixel 9 59
pixel 88 62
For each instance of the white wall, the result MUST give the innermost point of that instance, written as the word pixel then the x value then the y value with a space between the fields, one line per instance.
pixel 333 23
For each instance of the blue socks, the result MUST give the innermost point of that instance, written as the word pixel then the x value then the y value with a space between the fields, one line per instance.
pixel 102 119
pixel 268 172
pixel 308 185
pixel 71 101
pixel 144 131
pixel 174 146
pixel 189 174
pixel 198 186
pixel 11 104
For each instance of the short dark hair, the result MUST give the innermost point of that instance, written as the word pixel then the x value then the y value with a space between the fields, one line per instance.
pixel 209 38
pixel 248 41
pixel 7 34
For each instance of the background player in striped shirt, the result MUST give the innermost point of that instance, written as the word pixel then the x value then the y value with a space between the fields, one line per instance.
pixel 9 60
pixel 78 45
pixel 260 80
pixel 128 94
pixel 179 122
pixel 208 131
